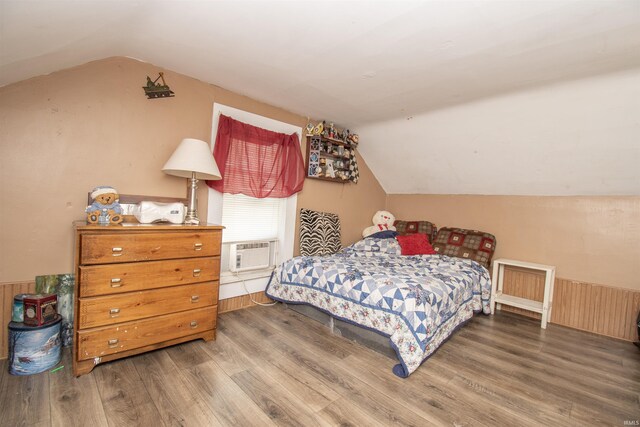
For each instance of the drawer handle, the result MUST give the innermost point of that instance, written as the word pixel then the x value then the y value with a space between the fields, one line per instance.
pixel 116 282
pixel 113 342
pixel 196 272
pixel 197 246
pixel 193 324
pixel 114 312
pixel 116 251
pixel 195 298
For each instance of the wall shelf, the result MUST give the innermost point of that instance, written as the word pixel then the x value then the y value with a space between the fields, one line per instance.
pixel 328 159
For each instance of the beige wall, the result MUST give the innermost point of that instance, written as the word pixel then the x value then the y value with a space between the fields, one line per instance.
pixel 591 239
pixel 65 133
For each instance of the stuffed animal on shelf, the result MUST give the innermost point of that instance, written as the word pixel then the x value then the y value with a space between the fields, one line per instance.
pixel 105 208
pixel 382 221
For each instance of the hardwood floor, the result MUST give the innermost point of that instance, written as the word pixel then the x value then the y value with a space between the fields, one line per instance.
pixel 273 366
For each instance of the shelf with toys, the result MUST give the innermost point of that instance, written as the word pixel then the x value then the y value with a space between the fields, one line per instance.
pixel 331 154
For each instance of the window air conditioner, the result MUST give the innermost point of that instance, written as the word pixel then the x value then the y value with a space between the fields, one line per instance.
pixel 249 256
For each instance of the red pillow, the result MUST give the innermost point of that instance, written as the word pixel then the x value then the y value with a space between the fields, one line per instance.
pixel 415 244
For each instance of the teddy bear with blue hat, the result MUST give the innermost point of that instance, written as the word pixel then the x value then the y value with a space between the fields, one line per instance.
pixel 105 209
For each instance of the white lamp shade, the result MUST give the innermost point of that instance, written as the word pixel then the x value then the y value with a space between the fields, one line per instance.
pixel 192 155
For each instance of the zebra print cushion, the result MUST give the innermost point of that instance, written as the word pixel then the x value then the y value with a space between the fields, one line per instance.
pixel 319 233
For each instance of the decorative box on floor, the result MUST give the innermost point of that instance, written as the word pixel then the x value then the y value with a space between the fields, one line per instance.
pixel 34 349
pixel 40 309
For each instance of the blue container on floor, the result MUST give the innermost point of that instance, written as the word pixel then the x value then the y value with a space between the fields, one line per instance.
pixel 34 349
pixel 18 308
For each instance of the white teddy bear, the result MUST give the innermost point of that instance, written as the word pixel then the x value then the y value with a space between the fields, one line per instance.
pixel 382 221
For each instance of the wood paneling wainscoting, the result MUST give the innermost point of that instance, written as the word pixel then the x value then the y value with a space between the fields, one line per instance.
pixel 589 307
pixel 7 292
pixel 242 301
pixel 527 284
pixel 600 309
pixel 9 289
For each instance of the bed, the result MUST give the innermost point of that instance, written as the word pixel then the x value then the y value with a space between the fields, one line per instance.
pixel 416 301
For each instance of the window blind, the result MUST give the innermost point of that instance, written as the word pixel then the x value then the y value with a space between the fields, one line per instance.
pixel 249 218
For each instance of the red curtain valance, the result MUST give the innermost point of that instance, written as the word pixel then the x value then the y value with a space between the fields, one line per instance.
pixel 257 162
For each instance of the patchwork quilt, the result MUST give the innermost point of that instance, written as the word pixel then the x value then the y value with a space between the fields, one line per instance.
pixel 417 301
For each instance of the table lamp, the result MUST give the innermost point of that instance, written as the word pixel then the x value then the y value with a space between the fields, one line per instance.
pixel 192 160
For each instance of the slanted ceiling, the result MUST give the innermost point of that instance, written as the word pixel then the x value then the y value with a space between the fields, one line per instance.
pixel 438 90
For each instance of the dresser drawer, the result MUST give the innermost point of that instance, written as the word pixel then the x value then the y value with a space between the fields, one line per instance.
pixel 108 310
pixel 131 335
pixel 127 277
pixel 104 248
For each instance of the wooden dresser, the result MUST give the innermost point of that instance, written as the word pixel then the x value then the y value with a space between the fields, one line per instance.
pixel 143 287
